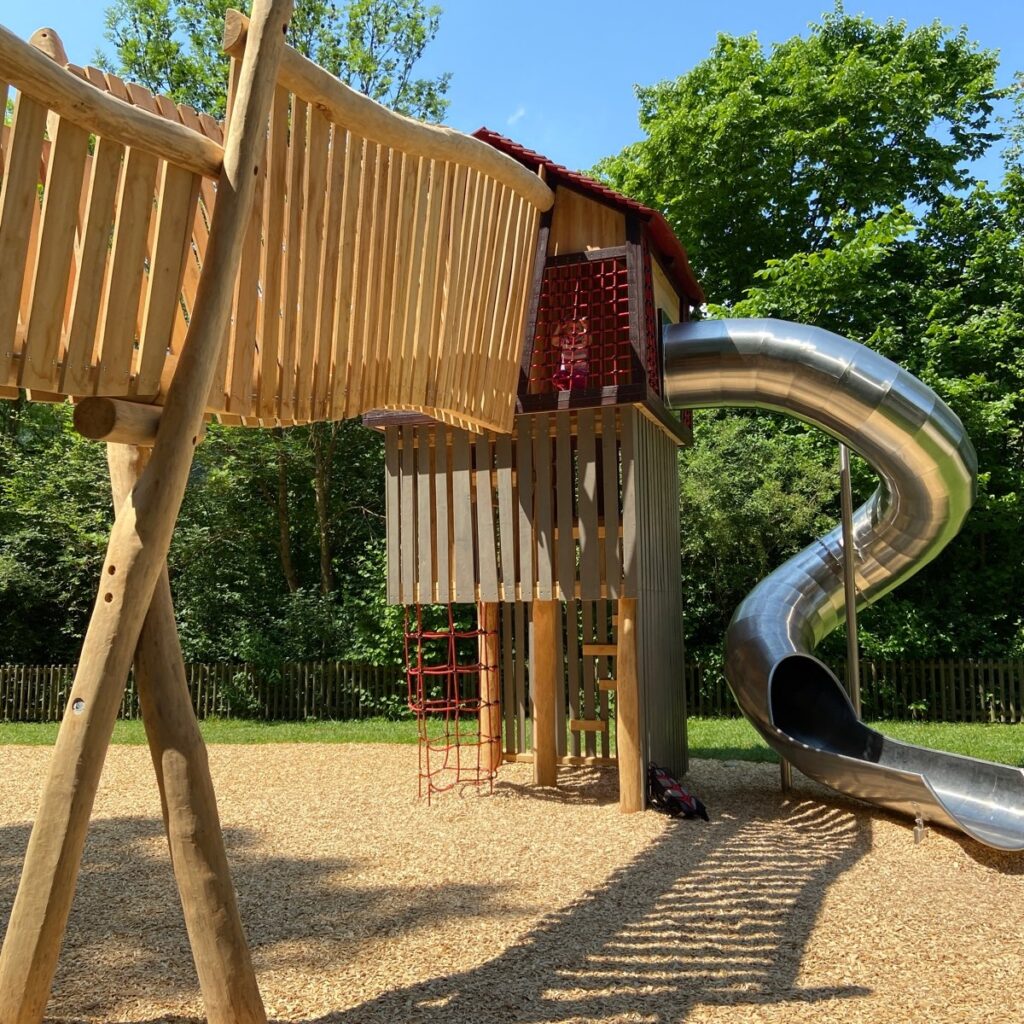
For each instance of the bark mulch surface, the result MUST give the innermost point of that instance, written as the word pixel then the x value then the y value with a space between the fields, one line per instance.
pixel 365 905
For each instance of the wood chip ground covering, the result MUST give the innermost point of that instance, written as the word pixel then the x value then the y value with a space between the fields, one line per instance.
pixel 365 905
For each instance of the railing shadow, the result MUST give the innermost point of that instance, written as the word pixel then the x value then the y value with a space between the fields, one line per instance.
pixel 703 917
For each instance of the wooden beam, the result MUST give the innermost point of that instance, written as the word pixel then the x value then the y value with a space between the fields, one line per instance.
pixel 545 676
pixel 219 947
pixel 116 421
pixel 490 685
pixel 628 742
pixel 135 558
pixel 37 75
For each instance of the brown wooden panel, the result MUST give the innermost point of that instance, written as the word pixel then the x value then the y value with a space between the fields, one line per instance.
pixel 573 663
pixel 544 521
pixel 628 421
pixel 408 520
pixel 392 459
pixel 18 205
pixel 134 206
pixel 590 544
pixel 93 250
pixel 40 357
pixel 486 546
pixel 442 519
pixel 271 310
pixel 579 223
pixel 506 515
pixel 462 507
pixel 179 191
pixel 610 467
pixel 508 683
pixel 524 476
pixel 424 519
pixel 565 486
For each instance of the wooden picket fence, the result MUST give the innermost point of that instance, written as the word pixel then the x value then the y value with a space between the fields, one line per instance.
pixel 929 690
pixel 291 691
pixel 934 690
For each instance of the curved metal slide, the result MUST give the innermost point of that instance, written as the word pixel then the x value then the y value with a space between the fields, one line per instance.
pixel 927 469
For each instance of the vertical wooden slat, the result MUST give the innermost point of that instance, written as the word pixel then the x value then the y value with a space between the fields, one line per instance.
pixel 589 676
pixel 572 645
pixel 408 516
pixel 522 647
pixel 393 514
pixel 561 717
pixel 313 202
pixel 544 678
pixel 630 568
pixel 40 356
pixel 18 205
pixel 330 258
pixel 524 481
pixel 442 518
pixel 508 677
pixel 485 520
pixel 506 518
pixel 134 206
pixel 93 250
pixel 352 230
pixel 292 257
pixel 565 554
pixel 610 465
pixel 629 744
pixel 543 522
pixel 424 520
pixel 270 310
pixel 175 212
pixel 462 508
pixel 590 565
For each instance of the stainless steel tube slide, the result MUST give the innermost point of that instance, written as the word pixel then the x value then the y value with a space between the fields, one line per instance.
pixel 927 469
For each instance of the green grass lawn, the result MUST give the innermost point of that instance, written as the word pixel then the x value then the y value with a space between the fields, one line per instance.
pixel 720 738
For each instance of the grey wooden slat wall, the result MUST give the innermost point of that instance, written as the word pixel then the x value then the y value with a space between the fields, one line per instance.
pixel 577 506
pixel 660 655
pixel 533 515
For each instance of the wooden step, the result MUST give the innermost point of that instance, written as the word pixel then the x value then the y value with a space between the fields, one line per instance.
pixel 607 684
pixel 587 725
pixel 600 650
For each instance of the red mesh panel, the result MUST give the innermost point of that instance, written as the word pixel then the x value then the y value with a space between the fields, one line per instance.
pixel 594 291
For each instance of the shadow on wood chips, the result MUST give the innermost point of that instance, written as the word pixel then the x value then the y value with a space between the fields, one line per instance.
pixel 688 922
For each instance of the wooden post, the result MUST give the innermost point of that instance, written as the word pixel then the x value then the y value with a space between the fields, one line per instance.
pixel 219 948
pixel 545 676
pixel 490 685
pixel 136 556
pixel 628 740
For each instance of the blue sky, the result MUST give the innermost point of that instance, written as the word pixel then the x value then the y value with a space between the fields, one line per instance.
pixel 558 76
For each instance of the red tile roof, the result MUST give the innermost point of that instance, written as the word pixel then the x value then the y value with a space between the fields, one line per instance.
pixel 669 247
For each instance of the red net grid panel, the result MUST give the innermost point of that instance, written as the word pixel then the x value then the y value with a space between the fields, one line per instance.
pixel 443 671
pixel 581 341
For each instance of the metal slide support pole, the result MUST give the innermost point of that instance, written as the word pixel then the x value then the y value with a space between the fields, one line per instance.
pixel 849 580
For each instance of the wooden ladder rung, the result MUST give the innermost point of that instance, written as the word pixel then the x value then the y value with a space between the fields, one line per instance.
pixel 600 650
pixel 587 725
pixel 607 684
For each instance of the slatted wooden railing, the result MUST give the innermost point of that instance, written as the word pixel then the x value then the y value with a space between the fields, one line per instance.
pixel 386 264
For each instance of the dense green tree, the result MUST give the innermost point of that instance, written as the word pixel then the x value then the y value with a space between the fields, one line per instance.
pixel 172 47
pixel 752 155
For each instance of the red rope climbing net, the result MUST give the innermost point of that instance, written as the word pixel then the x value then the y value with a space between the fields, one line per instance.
pixel 443 666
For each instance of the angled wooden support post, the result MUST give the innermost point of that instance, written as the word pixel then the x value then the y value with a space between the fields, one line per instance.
pixel 628 741
pixel 219 947
pixel 545 677
pixel 136 557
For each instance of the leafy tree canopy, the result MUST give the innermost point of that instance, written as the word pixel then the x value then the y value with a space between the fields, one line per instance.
pixel 173 47
pixel 753 155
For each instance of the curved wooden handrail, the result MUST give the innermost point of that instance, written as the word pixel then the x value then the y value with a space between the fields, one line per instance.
pixel 366 117
pixel 28 69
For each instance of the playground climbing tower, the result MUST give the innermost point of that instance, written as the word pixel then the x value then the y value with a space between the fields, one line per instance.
pixel 564 533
